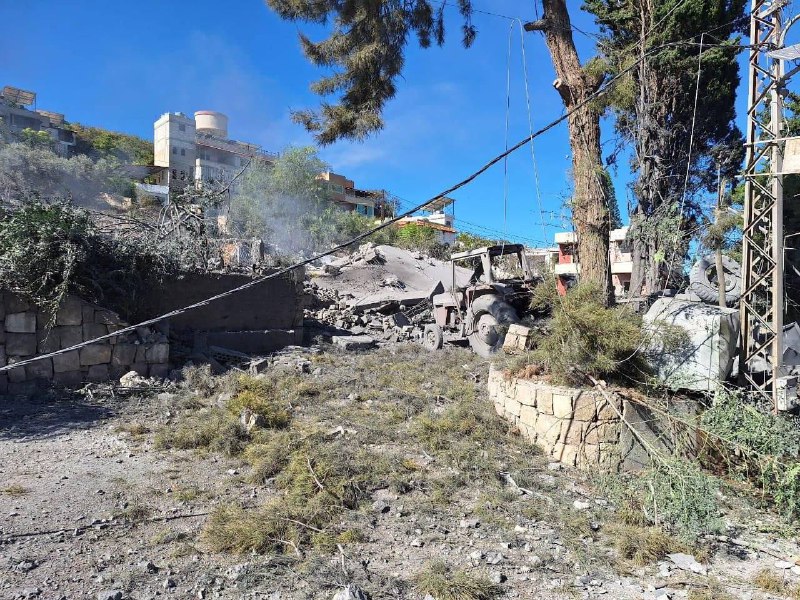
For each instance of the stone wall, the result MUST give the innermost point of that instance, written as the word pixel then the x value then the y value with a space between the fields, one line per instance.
pixel 24 334
pixel 581 427
pixel 574 426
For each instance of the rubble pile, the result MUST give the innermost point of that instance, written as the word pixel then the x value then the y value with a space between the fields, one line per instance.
pixel 335 313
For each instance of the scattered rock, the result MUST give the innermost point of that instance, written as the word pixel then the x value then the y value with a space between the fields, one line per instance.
pixel 109 595
pixel 688 562
pixel 353 342
pixel 351 592
pixel 580 505
pixel 496 577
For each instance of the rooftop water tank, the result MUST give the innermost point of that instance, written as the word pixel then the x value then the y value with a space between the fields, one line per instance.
pixel 211 122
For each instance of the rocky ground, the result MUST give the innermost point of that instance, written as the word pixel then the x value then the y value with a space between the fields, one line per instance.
pixel 102 496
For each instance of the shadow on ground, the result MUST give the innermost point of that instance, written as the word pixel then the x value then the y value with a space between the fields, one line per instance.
pixel 47 416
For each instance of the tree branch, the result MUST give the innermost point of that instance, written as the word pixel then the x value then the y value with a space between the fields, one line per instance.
pixel 540 25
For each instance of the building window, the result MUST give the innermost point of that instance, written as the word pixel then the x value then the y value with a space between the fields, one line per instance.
pixel 182 127
pixel 174 150
pixel 183 151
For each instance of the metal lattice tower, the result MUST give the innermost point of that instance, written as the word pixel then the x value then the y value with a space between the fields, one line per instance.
pixel 762 301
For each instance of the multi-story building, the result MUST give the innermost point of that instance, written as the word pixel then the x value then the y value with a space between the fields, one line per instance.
pixel 437 219
pixel 567 267
pixel 18 112
pixel 198 150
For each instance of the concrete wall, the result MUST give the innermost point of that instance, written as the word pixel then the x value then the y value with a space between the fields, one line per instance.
pixel 273 304
pixel 24 334
pixel 580 427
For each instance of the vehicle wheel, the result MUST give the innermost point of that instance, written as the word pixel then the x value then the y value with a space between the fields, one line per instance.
pixel 432 337
pixel 490 317
pixel 703 280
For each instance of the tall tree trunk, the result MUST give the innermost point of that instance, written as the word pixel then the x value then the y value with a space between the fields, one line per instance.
pixel 589 203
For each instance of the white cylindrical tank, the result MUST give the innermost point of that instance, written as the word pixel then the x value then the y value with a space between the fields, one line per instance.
pixel 211 122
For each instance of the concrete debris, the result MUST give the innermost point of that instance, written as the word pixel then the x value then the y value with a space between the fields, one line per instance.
pixel 707 343
pixel 688 562
pixel 374 275
pixel 351 592
pixel 353 342
pixel 331 313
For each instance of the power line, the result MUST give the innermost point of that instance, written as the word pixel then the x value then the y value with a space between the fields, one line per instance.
pixel 255 282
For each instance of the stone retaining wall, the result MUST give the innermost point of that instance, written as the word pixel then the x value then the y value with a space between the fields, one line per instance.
pixel 24 334
pixel 581 427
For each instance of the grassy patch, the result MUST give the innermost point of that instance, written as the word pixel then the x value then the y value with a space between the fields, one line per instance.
pixel 321 480
pixel 442 583
pixel 642 545
pixel 15 490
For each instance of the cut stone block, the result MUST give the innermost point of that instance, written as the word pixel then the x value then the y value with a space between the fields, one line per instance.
pixel 41 369
pixel 544 401
pixel 353 342
pixel 20 344
pixel 69 361
pixel 96 354
pixel 16 374
pixel 518 339
pixel 2 356
pixel 98 373
pixel 70 313
pixel 93 331
pixel 47 341
pixel 157 354
pixel 159 371
pixel 69 335
pixel 87 314
pixel 68 378
pixel 562 406
pixel 15 304
pixel 22 322
pixel 124 354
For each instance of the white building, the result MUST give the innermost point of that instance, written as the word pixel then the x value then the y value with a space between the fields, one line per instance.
pixel 197 151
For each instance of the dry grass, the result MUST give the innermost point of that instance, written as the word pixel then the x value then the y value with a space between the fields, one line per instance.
pixel 15 490
pixel 773 583
pixel 438 580
pixel 421 428
pixel 134 429
pixel 642 545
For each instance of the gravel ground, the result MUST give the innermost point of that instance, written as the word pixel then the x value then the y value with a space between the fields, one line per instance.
pixel 91 510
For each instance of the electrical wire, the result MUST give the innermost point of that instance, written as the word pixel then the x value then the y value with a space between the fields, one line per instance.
pixel 284 271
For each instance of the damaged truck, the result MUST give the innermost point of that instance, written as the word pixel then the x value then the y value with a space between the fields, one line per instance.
pixel 498 294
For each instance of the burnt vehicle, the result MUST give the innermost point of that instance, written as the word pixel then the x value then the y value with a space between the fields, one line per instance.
pixel 498 294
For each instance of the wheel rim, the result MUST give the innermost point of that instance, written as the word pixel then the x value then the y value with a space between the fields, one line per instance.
pixel 430 338
pixel 486 329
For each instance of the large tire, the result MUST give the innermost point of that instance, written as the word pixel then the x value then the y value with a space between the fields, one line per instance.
pixel 489 317
pixel 432 337
pixel 707 290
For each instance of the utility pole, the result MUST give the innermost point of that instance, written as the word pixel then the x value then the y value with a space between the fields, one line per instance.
pixel 762 302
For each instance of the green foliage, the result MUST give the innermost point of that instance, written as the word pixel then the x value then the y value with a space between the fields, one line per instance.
pixel 585 337
pixel 366 50
pixel 441 582
pixel 468 241
pixel 50 250
pixel 35 171
pixel 97 143
pixel 758 446
pixel 654 107
pixel 35 139
pixel 673 493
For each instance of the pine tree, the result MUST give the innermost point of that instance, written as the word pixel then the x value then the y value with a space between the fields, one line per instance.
pixel 655 110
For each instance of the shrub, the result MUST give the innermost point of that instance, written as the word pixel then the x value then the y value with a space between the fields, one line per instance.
pixel 674 493
pixel 442 583
pixel 755 445
pixel 50 250
pixel 586 337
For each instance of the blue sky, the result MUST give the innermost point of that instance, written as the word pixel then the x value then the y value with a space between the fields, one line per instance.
pixel 119 65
